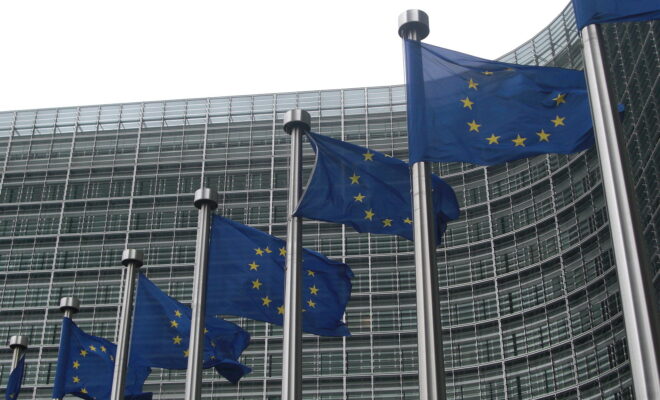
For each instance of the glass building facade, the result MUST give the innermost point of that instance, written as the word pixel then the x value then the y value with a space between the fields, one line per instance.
pixel 528 287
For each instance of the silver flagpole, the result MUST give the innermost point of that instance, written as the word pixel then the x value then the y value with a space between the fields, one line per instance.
pixel 132 259
pixel 296 123
pixel 18 344
pixel 632 263
pixel 68 306
pixel 414 25
pixel 206 200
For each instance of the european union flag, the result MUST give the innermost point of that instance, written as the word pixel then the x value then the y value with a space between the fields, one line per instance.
pixel 246 279
pixel 161 335
pixel 464 108
pixel 15 380
pixel 589 12
pixel 85 365
pixel 367 190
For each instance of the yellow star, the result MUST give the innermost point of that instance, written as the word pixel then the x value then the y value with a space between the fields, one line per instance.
pixel 259 252
pixel 268 250
pixel 561 98
pixel 387 222
pixel 314 290
pixel 83 353
pixel 103 349
pixel 487 73
pixel 206 331
pixel 280 310
pixel 558 121
pixel 213 343
pixel 407 221
pixel 473 126
pixel 83 390
pixel 467 103
pixel 212 357
pixel 355 179
pixel 311 303
pixel 265 301
pixel 76 379
pixel 186 352
pixel 283 251
pixel 92 347
pixel 177 339
pixel 254 266
pixel 369 214
pixel 359 197
pixel 519 141
pixel 472 84
pixel 493 139
pixel 543 136
pixel 174 324
pixel 177 313
pixel 310 272
pixel 368 156
pixel 256 284
pixel 76 364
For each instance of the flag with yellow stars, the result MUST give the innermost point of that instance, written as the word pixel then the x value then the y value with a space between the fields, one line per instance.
pixel 589 12
pixel 246 279
pixel 367 190
pixel 161 335
pixel 464 108
pixel 15 380
pixel 85 366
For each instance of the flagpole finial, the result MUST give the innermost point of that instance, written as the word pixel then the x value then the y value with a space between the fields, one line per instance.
pixel 206 196
pixel 132 256
pixel 415 23
pixel 296 117
pixel 70 305
pixel 19 341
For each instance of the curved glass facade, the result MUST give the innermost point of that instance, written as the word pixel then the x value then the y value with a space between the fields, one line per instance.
pixel 528 286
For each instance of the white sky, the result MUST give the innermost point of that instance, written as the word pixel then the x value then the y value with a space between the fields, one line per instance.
pixel 76 52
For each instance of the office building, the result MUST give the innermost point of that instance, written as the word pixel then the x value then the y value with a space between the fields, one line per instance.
pixel 528 287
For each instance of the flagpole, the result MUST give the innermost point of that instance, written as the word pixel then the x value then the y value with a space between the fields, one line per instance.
pixel 68 306
pixel 206 200
pixel 132 260
pixel 296 123
pixel 633 270
pixel 414 25
pixel 18 344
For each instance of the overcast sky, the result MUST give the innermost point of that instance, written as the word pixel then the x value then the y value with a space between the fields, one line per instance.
pixel 68 52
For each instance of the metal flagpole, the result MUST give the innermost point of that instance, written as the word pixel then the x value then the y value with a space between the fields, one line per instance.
pixel 296 123
pixel 206 200
pixel 414 25
pixel 68 306
pixel 633 270
pixel 18 344
pixel 132 259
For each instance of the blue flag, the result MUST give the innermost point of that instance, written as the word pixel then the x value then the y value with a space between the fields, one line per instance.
pixel 464 108
pixel 161 335
pixel 85 366
pixel 15 380
pixel 367 190
pixel 589 12
pixel 246 279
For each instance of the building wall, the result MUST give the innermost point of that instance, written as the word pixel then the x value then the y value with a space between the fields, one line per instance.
pixel 529 294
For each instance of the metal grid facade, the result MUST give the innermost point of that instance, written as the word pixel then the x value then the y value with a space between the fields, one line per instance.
pixel 529 293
